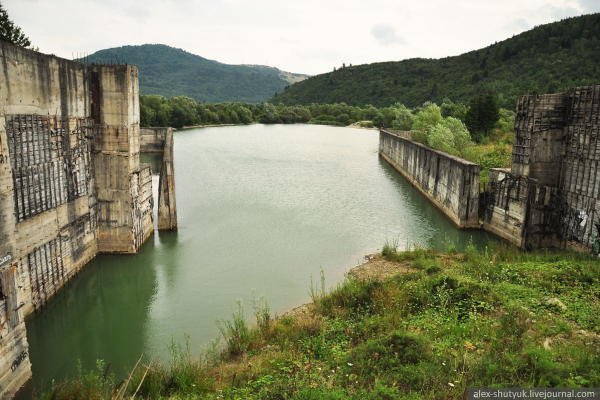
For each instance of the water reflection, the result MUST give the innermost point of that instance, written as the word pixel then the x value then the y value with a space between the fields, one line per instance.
pixel 442 230
pixel 100 314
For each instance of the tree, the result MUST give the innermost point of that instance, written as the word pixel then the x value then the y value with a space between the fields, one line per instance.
pixel 11 33
pixel 482 115
pixel 183 111
pixel 404 120
pixel 245 115
pixel 449 135
pixel 390 114
pixel 343 119
pixel 270 115
pixel 370 112
pixel 378 119
pixel 427 118
pixel 302 114
pixel 154 111
pixel 451 109
pixel 146 115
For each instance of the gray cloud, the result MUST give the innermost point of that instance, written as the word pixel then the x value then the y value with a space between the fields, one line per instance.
pixel 590 6
pixel 564 12
pixel 386 34
pixel 520 25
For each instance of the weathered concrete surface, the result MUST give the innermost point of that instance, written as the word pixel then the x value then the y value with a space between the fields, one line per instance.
pixel 160 140
pixel 167 206
pixel 556 154
pixel 115 91
pixel 505 206
pixel 71 184
pixel 538 139
pixel 449 182
pixel 518 209
pixel 46 222
pixel 579 207
pixel 146 201
pixel 152 140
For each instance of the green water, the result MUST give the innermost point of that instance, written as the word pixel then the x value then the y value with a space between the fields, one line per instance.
pixel 261 208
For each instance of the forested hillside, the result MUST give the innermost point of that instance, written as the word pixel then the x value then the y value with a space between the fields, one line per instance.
pixel 172 72
pixel 546 59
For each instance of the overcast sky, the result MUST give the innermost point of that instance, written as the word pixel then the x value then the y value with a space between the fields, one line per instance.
pixel 303 36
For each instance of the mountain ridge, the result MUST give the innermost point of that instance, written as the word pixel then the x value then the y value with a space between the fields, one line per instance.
pixel 546 59
pixel 170 72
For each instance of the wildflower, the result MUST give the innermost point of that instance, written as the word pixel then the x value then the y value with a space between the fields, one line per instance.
pixel 350 364
pixel 444 364
pixel 451 384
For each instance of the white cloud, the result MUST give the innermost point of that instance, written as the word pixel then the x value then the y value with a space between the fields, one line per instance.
pixel 518 25
pixel 386 35
pixel 559 13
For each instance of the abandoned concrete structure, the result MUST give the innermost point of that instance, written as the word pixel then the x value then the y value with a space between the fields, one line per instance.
pixel 71 183
pixel 550 195
pixel 160 140
pixel 449 182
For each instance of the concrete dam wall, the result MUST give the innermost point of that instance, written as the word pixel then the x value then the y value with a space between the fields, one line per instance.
pixel 550 195
pixel 449 182
pixel 71 184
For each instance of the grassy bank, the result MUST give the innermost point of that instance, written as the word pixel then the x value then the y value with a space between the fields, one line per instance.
pixel 412 324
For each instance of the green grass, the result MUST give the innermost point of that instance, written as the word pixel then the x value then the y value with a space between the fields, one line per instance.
pixel 493 317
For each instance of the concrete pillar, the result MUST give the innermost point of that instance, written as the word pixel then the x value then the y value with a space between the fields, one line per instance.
pixel 538 146
pixel 167 206
pixel 116 114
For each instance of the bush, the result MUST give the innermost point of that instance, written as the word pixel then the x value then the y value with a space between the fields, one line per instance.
pixel 449 135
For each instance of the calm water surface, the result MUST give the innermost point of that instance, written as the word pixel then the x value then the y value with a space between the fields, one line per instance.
pixel 261 208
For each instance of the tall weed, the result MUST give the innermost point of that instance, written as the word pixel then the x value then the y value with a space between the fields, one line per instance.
pixel 236 333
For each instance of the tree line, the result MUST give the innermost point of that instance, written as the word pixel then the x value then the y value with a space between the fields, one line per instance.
pixel 448 127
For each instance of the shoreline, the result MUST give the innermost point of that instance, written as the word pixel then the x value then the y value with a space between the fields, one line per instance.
pixel 375 267
pixel 353 126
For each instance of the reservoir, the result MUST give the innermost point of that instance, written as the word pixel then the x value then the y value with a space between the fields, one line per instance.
pixel 261 209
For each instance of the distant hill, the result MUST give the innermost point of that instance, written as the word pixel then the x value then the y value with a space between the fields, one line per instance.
pixel 546 59
pixel 173 72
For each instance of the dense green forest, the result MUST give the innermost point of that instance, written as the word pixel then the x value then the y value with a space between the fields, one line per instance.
pixel 546 59
pixel 172 72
